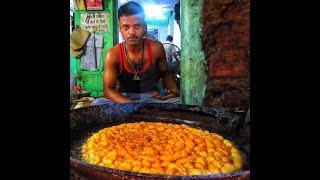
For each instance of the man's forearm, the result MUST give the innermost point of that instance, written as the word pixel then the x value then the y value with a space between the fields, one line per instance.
pixel 116 96
pixel 175 57
pixel 170 84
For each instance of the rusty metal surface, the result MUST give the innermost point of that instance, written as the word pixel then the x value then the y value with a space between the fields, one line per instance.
pixel 85 121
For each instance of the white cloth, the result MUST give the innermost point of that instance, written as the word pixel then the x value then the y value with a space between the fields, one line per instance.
pixel 169 49
pixel 91 59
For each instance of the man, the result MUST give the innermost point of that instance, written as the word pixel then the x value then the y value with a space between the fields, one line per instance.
pixel 137 64
pixel 170 54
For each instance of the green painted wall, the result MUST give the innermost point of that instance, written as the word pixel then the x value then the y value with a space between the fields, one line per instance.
pixel 92 81
pixel 73 70
pixel 193 75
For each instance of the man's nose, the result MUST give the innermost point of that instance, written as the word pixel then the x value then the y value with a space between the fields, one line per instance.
pixel 131 30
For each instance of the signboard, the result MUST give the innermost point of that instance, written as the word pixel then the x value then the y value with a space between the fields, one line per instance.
pixel 96 22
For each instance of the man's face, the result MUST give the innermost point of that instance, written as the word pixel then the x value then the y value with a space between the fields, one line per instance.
pixel 132 28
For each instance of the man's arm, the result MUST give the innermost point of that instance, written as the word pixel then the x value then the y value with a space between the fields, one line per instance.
pixel 172 51
pixel 175 56
pixel 167 77
pixel 110 78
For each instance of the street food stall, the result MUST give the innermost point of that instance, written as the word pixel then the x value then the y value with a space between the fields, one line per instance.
pixel 204 136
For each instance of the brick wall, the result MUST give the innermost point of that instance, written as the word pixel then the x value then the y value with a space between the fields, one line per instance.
pixel 226 45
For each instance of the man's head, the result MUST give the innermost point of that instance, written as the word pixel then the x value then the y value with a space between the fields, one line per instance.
pixel 169 38
pixel 131 22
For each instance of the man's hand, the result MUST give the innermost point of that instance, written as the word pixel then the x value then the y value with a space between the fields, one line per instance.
pixel 158 96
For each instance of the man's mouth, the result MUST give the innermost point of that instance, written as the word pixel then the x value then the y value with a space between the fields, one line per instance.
pixel 132 39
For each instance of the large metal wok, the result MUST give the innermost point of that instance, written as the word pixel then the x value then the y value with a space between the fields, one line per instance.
pixel 86 121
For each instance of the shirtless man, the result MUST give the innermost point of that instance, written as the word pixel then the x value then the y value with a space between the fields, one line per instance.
pixel 137 64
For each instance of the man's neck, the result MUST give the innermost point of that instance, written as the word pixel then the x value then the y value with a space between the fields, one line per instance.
pixel 134 48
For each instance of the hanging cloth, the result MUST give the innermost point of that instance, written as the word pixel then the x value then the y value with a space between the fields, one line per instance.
pixel 91 59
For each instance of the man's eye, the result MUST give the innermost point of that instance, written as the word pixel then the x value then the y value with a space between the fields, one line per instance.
pixel 125 27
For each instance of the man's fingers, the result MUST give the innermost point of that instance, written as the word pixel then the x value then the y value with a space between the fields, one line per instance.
pixel 168 96
pixel 156 95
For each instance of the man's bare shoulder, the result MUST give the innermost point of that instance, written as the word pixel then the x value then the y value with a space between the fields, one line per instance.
pixel 157 48
pixel 155 43
pixel 113 53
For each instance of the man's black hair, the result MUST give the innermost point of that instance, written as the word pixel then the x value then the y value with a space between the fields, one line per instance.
pixel 130 8
pixel 169 38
